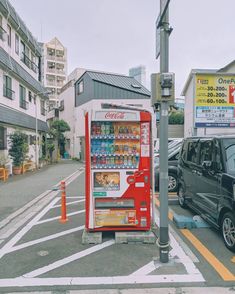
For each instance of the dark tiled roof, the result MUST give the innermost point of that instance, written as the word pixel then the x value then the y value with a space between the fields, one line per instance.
pixel 19 119
pixel 120 81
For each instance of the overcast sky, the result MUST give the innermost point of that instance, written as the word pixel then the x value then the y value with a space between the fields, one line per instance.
pixel 114 35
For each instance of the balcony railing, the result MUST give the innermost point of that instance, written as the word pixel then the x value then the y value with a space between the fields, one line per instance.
pixel 60 58
pixel 7 92
pixel 24 104
pixel 50 83
pixel 30 64
pixel 50 57
pixel 34 67
pixel 3 34
pixel 51 70
pixel 43 111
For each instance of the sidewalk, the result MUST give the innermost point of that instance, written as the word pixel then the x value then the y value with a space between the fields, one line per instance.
pixel 21 189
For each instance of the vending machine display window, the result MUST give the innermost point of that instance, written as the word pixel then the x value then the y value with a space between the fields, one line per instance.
pixel 115 145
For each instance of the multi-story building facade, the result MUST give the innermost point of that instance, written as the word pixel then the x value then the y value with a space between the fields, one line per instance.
pixel 54 69
pixel 22 96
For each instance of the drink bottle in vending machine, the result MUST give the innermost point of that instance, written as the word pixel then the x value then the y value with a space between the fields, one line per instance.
pixel 118 170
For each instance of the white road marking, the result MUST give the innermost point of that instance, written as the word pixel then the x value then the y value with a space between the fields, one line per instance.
pixel 70 203
pixel 22 232
pixel 148 268
pixel 44 239
pixel 75 197
pixel 115 280
pixel 58 217
pixel 178 252
pixel 68 259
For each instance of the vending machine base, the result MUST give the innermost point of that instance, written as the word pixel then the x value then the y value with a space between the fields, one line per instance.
pixel 122 237
pixel 91 237
pixel 135 237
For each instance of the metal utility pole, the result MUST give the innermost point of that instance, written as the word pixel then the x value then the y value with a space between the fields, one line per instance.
pixel 164 68
pixel 162 95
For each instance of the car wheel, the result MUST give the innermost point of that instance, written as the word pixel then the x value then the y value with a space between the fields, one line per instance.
pixel 181 197
pixel 228 230
pixel 172 183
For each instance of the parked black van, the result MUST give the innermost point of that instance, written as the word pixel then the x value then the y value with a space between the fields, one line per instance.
pixel 206 181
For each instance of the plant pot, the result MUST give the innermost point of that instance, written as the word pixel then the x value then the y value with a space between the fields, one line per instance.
pixel 17 170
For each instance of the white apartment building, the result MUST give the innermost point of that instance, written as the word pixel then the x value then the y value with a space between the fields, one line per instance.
pixel 22 96
pixel 88 90
pixel 54 69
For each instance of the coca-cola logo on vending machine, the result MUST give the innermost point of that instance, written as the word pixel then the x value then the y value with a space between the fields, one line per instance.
pixel 115 115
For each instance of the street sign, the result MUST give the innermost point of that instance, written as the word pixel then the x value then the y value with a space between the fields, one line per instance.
pixel 214 100
pixel 158 36
pixel 164 5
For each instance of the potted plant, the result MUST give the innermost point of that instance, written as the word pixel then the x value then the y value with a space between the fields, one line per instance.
pixel 3 160
pixel 18 150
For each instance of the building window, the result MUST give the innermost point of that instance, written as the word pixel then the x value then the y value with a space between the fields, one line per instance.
pixel 7 87
pixel 23 102
pixel 9 35
pixel 61 105
pixel 30 96
pixel 17 44
pixel 80 87
pixel 2 31
pixel 43 109
pixel 3 138
pixel 24 54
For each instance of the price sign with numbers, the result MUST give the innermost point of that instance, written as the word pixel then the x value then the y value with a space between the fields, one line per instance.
pixel 214 100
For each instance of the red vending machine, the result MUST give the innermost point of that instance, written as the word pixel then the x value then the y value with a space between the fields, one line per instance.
pixel 118 170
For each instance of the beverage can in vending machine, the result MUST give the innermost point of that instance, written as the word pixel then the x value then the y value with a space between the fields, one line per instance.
pixel 102 128
pixel 129 160
pixel 116 160
pixel 94 160
pixel 107 128
pixel 98 128
pixel 111 129
pixel 125 159
pixel 93 129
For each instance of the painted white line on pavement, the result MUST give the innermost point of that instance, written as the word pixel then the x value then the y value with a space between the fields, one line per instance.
pixel 68 259
pixel 177 251
pixel 22 232
pixel 75 197
pixel 58 217
pixel 115 280
pixel 186 261
pixel 148 268
pixel 70 203
pixel 44 239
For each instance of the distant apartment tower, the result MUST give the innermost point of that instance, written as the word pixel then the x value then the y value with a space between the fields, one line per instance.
pixel 54 69
pixel 139 73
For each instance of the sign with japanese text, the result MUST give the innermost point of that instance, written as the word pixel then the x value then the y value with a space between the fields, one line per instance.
pixel 214 100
